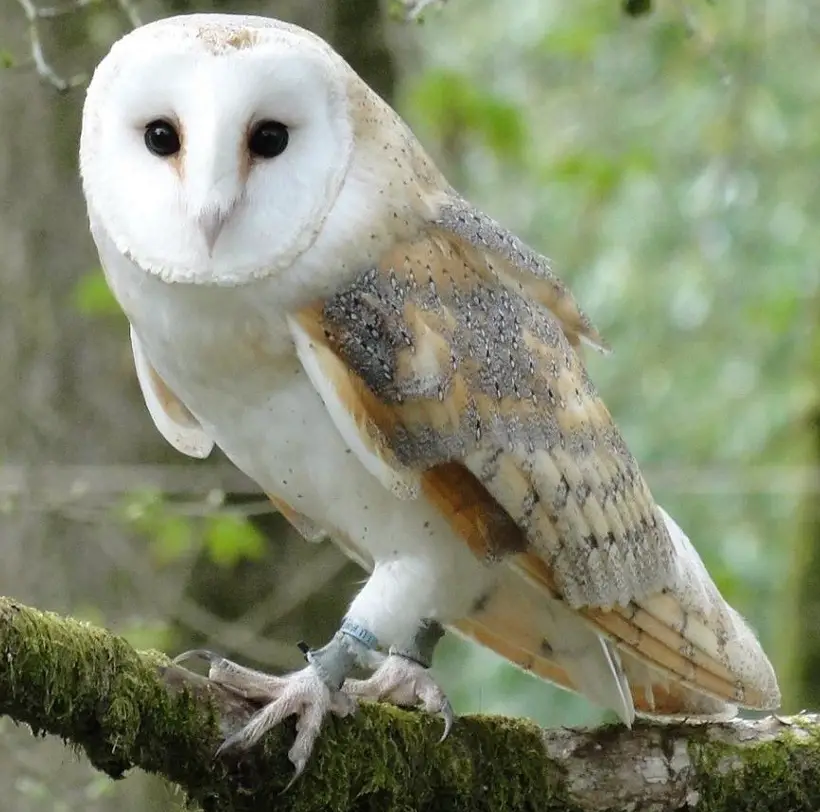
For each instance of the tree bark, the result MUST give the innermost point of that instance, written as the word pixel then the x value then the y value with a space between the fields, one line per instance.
pixel 128 709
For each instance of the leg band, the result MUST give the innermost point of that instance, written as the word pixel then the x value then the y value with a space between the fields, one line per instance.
pixel 420 648
pixel 334 661
pixel 359 633
pixel 352 645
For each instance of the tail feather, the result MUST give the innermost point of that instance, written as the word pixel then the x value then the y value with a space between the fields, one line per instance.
pixel 533 630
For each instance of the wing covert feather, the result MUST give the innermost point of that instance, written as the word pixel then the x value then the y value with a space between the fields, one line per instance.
pixel 476 386
pixel 359 417
pixel 518 267
pixel 170 415
pixel 303 525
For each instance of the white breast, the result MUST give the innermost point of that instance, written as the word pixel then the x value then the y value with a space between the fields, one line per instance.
pixel 227 354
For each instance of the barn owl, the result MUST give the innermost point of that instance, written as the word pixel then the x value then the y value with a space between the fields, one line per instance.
pixel 398 372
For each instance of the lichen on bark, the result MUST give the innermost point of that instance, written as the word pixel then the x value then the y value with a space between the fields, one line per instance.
pixel 128 709
pixel 777 767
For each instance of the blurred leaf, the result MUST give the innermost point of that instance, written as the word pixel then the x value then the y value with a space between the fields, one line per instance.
pixel 7 60
pixel 229 539
pixel 637 8
pixel 777 313
pixel 451 105
pixel 93 297
pixel 600 173
pixel 171 537
pixel 576 39
pixel 501 126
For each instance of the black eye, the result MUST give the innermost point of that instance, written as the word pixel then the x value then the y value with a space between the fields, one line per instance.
pixel 268 139
pixel 161 138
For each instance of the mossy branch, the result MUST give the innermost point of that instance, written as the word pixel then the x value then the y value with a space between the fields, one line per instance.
pixel 127 709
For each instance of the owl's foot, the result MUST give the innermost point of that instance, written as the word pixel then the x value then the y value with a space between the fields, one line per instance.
pixel 305 694
pixel 405 682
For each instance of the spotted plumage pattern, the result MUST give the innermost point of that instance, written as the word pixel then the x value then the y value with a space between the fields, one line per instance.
pixel 457 355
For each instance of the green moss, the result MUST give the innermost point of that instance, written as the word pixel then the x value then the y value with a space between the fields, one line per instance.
pixel 85 685
pixel 389 760
pixel 125 709
pixel 91 688
pixel 781 775
pixel 393 761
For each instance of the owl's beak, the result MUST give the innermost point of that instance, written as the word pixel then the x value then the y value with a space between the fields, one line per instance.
pixel 210 224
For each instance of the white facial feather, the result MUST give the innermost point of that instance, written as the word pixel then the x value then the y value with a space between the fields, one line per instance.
pixel 214 77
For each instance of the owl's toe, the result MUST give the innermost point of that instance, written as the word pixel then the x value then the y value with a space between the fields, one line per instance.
pixel 303 694
pixel 404 682
pixel 257 686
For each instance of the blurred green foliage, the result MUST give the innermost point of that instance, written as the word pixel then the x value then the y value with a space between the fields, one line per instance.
pixel 453 107
pixel 229 539
pixel 93 297
pixel 172 533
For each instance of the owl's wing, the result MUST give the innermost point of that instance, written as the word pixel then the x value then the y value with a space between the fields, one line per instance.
pixel 540 634
pixel 450 370
pixel 520 269
pixel 170 415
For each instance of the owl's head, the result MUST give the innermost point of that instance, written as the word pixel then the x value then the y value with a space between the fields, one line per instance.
pixel 214 146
